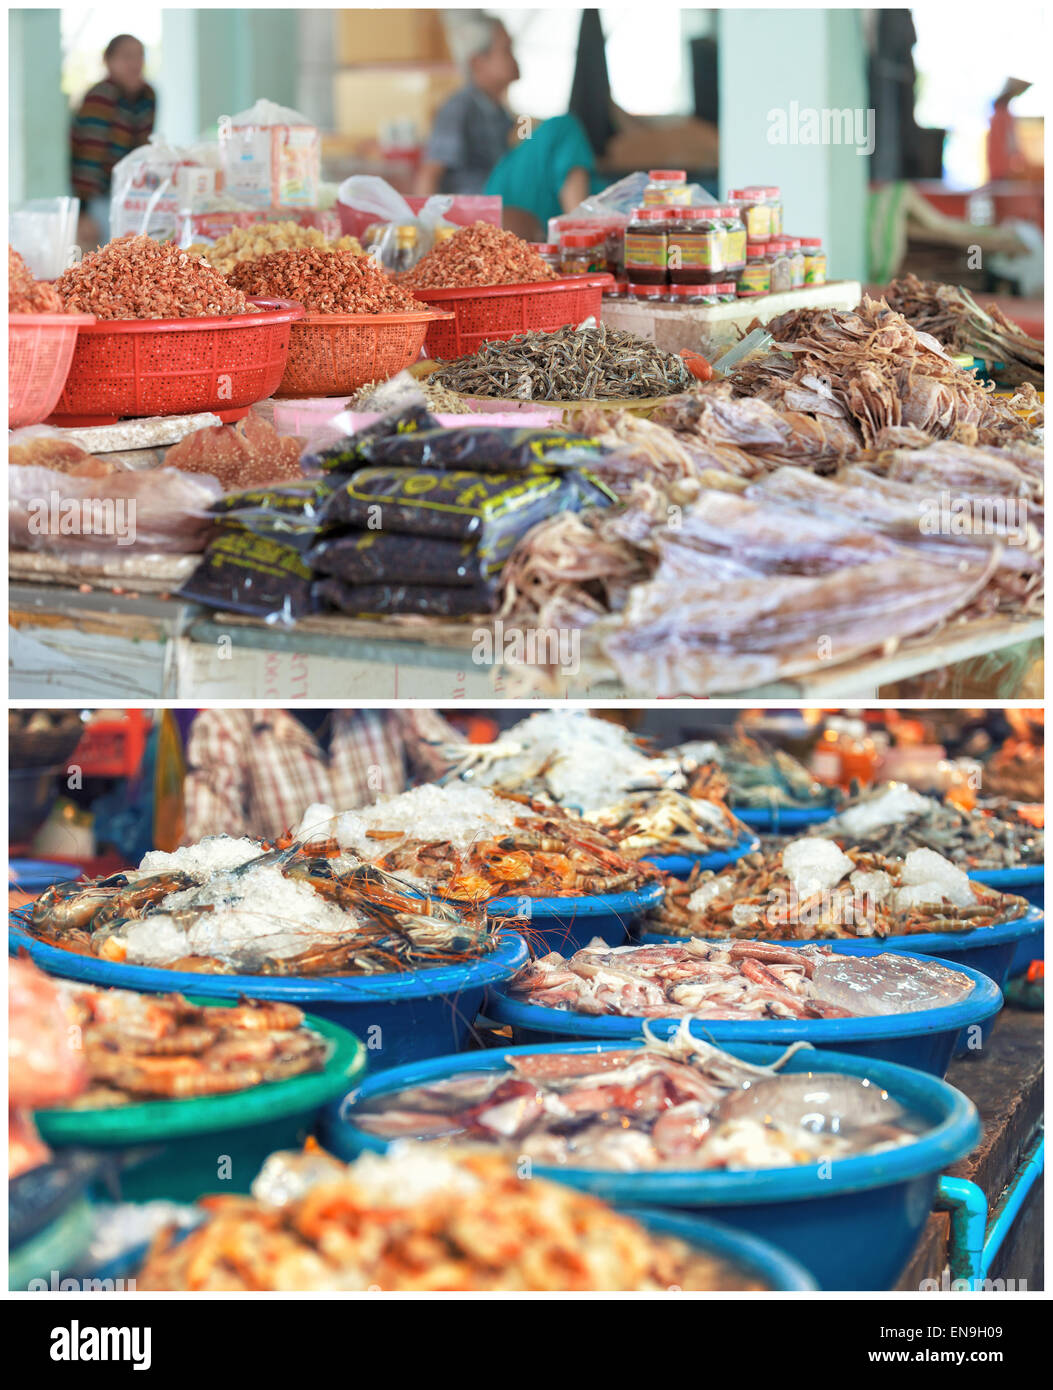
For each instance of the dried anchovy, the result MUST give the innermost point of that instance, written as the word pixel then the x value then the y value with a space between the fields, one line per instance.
pixel 436 397
pixel 595 363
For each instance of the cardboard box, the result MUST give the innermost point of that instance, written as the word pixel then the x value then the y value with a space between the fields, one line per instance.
pixel 365 99
pixel 391 36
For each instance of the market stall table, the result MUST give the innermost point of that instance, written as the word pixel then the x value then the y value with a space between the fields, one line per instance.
pixel 84 645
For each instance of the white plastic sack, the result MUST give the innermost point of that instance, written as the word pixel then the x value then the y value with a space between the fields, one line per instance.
pixel 374 196
pixel 271 156
pixel 143 196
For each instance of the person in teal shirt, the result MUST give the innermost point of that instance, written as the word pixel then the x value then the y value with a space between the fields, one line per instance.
pixel 548 171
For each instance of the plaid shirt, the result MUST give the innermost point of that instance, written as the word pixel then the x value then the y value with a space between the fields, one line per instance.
pixel 255 771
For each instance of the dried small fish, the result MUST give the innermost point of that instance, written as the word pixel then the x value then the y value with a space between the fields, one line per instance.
pixel 591 363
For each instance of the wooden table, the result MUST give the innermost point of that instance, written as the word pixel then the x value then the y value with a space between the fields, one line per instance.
pixel 1005 1083
pixel 101 645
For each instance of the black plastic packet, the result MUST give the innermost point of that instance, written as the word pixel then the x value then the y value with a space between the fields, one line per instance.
pixel 375 557
pixel 343 456
pixel 486 507
pixel 289 512
pixel 414 439
pixel 425 600
pixel 244 571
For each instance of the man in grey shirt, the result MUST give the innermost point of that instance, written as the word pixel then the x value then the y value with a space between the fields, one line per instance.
pixel 473 128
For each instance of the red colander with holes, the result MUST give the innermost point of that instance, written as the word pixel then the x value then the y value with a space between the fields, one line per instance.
pixel 490 312
pixel 125 368
pixel 335 354
pixel 39 353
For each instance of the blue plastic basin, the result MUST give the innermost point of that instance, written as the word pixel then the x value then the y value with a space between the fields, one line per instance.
pixel 925 1039
pixel 682 865
pixel 771 1266
pixel 400 1018
pixel 783 820
pixel 568 924
pixel 1029 880
pixel 989 950
pixel 852 1224
pixel 34 875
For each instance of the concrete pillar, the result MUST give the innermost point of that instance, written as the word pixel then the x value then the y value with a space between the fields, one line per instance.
pixel 776 67
pixel 217 62
pixel 38 136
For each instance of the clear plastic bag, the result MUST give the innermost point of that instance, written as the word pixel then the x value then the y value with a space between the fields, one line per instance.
pixel 124 511
pixel 143 195
pixel 375 197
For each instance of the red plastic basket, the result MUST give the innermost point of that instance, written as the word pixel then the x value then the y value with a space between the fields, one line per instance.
pixel 335 354
pixel 490 312
pixel 39 351
pixel 134 367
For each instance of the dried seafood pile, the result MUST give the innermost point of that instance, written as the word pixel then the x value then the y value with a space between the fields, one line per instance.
pixel 148 1047
pixel 952 316
pixel 705 581
pixel 421 1221
pixel 870 367
pixel 26 295
pixel 893 820
pixel 135 277
pixel 571 364
pixel 478 255
pixel 324 282
pixel 239 456
pixel 223 906
pixel 812 889
pixel 249 243
pixel 682 1104
pixel 734 981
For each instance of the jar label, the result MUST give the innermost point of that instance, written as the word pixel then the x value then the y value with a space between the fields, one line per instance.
pixel 695 251
pixel 735 246
pixel 645 250
pixel 755 278
pixel 815 269
pixel 758 221
pixel 678 196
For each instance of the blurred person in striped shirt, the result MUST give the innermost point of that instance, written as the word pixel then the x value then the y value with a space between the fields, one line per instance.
pixel 254 772
pixel 115 117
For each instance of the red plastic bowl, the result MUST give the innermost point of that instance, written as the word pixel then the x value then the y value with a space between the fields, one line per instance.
pixel 39 352
pixel 136 367
pixel 492 312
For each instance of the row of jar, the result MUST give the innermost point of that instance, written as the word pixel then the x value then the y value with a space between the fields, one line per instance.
pixel 770 268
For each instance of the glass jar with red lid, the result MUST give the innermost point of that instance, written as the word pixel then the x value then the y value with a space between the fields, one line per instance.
pixel 695 247
pixel 647 246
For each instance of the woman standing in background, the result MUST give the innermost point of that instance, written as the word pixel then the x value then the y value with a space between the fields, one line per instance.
pixel 115 117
